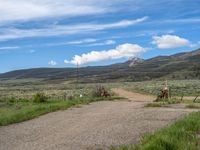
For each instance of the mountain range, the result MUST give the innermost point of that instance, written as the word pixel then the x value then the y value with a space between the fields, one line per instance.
pixel 179 66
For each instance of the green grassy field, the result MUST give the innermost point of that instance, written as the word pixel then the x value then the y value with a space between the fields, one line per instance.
pixel 182 135
pixel 25 89
pixel 16 98
pixel 57 89
pixel 177 87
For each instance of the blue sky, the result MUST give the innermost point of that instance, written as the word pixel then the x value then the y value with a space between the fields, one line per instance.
pixel 63 33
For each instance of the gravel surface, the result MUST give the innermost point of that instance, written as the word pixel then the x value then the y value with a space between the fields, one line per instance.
pixel 98 125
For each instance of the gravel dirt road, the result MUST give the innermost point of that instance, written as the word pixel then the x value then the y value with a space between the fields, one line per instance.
pixel 98 125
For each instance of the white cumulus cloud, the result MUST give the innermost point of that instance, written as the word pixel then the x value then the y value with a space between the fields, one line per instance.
pixel 52 62
pixel 169 41
pixel 122 51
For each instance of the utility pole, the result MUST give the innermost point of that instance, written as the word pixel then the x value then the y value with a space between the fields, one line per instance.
pixel 167 89
pixel 77 80
pixel 77 74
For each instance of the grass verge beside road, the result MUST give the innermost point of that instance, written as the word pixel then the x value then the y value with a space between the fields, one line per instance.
pixel 183 134
pixel 163 103
pixel 193 105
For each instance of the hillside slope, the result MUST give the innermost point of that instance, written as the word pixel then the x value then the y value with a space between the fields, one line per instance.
pixel 178 66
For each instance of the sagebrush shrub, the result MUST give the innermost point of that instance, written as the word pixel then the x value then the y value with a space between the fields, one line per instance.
pixel 39 98
pixel 100 91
